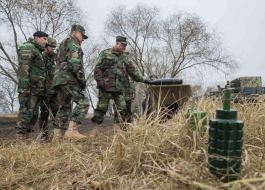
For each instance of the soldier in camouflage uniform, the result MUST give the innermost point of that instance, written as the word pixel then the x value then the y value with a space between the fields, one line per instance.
pixel 70 83
pixel 129 97
pixel 31 82
pixel 49 103
pixel 228 85
pixel 110 70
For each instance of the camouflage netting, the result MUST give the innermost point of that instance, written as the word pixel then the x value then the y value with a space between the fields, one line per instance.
pixel 251 81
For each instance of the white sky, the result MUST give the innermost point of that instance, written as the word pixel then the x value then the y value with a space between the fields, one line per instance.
pixel 241 23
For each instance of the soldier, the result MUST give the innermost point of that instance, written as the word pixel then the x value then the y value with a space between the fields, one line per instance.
pixel 70 83
pixel 110 70
pixel 218 91
pixel 49 103
pixel 227 85
pixel 129 97
pixel 31 82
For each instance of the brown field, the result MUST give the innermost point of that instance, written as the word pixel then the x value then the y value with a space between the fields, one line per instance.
pixel 150 156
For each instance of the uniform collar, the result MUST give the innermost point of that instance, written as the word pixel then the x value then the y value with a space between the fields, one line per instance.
pixel 118 53
pixel 48 53
pixel 75 38
pixel 39 47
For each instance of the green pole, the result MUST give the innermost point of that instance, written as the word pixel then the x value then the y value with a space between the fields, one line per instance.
pixel 227 99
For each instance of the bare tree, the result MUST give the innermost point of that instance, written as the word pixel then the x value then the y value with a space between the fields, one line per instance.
pixel 168 46
pixel 91 51
pixel 2 102
pixel 192 44
pixel 8 95
pixel 139 24
pixel 197 89
pixel 53 17
pixel 22 17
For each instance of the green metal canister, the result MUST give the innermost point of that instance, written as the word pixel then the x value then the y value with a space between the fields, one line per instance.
pixel 225 142
pixel 197 119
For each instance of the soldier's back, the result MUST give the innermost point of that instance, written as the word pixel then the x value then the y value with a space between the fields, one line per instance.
pixel 68 48
pixel 30 54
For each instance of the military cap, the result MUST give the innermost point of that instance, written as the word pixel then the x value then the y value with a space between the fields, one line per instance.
pixel 51 42
pixel 79 28
pixel 40 34
pixel 122 39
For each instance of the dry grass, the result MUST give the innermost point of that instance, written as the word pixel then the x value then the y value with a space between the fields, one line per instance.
pixel 151 156
pixel 12 115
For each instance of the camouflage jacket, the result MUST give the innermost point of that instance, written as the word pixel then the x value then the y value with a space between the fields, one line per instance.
pixel 49 60
pixel 31 69
pixel 129 89
pixel 69 66
pixel 111 69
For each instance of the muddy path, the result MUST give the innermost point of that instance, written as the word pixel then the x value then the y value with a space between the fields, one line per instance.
pixel 7 126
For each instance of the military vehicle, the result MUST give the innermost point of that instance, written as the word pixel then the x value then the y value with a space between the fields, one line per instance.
pixel 247 88
pixel 249 81
pixel 212 93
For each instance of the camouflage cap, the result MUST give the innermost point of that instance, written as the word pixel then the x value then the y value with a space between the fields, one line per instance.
pixel 79 28
pixel 51 42
pixel 122 39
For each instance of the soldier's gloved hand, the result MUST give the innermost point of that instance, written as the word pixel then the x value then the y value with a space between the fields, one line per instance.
pixel 148 81
pixel 82 84
pixel 101 86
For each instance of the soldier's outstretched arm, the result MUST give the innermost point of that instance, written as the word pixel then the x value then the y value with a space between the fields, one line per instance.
pixel 98 73
pixel 134 72
pixel 25 55
pixel 75 60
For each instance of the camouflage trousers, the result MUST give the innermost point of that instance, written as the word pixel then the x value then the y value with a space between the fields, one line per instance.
pixel 128 112
pixel 103 103
pixel 28 112
pixel 48 105
pixel 65 95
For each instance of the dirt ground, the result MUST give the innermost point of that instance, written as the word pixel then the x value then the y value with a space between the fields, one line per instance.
pixel 7 126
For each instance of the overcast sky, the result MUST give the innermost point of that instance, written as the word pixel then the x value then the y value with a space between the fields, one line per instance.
pixel 241 23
